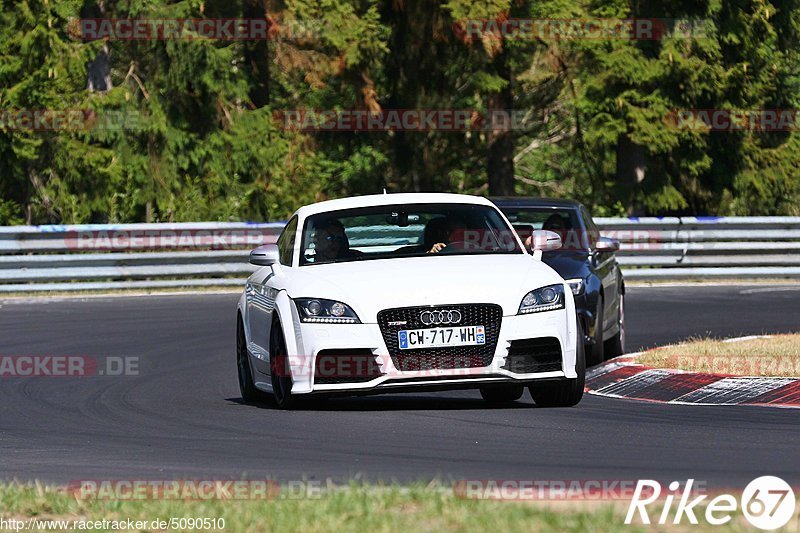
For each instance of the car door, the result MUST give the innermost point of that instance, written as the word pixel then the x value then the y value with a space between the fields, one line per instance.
pixel 606 268
pixel 261 293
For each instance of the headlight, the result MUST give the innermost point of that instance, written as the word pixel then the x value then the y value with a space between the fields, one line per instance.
pixel 576 285
pixel 325 311
pixel 545 299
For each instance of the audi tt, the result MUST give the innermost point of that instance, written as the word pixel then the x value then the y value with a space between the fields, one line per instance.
pixel 401 292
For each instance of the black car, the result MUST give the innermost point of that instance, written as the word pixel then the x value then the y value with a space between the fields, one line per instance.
pixel 588 263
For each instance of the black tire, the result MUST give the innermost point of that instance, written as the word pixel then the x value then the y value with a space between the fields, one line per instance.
pixel 279 369
pixel 564 392
pixel 502 393
pixel 248 390
pixel 615 346
pixel 595 353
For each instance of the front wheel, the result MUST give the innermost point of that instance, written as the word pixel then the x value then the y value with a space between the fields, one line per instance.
pixel 595 352
pixel 502 393
pixel 247 388
pixel 564 392
pixel 279 369
pixel 615 346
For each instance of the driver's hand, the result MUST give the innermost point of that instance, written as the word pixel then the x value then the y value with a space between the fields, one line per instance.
pixel 438 247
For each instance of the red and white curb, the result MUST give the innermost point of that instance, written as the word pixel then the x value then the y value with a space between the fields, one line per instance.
pixel 625 378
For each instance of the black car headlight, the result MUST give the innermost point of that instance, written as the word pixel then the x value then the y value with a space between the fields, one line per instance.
pixel 325 311
pixel 547 298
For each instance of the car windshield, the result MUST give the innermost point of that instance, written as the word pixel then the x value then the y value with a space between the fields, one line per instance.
pixel 562 221
pixel 408 230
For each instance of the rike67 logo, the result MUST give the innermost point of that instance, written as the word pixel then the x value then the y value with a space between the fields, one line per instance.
pixel 767 502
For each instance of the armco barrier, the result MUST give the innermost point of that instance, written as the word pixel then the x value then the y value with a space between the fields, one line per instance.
pixel 706 247
pixel 203 254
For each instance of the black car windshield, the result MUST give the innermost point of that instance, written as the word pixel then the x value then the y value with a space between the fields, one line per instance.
pixel 565 222
pixel 409 230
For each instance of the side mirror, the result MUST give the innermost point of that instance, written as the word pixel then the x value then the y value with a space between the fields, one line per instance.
pixel 266 255
pixel 607 244
pixel 545 241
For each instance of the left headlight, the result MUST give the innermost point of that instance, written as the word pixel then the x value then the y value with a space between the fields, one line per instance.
pixel 325 311
pixel 547 298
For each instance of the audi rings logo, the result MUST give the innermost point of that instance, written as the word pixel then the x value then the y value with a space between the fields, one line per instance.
pixel 438 318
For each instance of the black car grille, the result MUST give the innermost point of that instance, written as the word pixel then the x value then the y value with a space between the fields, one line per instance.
pixel 529 356
pixel 488 315
pixel 332 367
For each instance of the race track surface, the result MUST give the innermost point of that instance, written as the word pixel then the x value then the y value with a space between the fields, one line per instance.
pixel 181 417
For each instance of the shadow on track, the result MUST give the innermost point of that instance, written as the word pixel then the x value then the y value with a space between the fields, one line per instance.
pixel 392 403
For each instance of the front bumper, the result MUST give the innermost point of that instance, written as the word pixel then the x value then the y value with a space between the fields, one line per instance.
pixel 311 339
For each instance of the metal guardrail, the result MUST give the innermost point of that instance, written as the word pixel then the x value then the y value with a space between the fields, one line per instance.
pixel 101 257
pixel 706 247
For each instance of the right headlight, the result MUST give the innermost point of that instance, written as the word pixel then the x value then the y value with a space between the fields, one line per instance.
pixel 325 311
pixel 547 298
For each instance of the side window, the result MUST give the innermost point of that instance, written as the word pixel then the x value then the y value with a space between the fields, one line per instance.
pixel 286 242
pixel 592 231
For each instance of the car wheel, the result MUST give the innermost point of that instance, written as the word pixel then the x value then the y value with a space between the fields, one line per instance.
pixel 279 369
pixel 248 390
pixel 564 392
pixel 502 393
pixel 596 351
pixel 615 346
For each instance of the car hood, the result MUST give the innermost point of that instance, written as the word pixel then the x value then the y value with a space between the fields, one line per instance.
pixel 371 286
pixel 568 263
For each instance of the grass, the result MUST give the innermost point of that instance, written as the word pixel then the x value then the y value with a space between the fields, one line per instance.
pixel 774 356
pixel 353 508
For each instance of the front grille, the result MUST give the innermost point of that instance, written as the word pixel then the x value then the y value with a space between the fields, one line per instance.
pixel 488 315
pixel 332 367
pixel 529 356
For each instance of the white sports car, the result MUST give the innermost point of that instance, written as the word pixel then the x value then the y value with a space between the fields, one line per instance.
pixel 401 292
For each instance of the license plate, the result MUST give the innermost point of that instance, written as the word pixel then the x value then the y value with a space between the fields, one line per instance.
pixel 413 339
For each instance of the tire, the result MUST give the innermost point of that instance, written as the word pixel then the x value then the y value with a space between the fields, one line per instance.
pixel 247 388
pixel 564 392
pixel 502 393
pixel 279 369
pixel 595 352
pixel 615 346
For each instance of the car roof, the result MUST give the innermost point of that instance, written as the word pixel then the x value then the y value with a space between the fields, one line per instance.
pixel 390 199
pixel 529 201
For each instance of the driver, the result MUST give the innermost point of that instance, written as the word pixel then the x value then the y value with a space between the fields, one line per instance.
pixel 331 243
pixel 443 231
pixel 437 233
pixel 555 223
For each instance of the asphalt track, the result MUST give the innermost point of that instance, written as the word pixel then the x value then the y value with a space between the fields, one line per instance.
pixel 181 417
